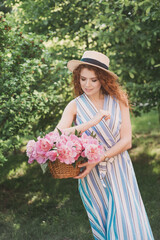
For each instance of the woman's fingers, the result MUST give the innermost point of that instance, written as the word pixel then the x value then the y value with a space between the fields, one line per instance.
pixel 105 114
pixel 82 175
pixel 100 115
pixel 107 117
pixel 83 164
pixel 89 167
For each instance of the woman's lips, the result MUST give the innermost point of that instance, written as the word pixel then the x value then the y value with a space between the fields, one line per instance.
pixel 88 90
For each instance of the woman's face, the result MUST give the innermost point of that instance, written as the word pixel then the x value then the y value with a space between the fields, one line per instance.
pixel 89 82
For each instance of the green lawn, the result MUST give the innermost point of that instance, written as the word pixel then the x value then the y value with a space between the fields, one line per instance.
pixel 34 206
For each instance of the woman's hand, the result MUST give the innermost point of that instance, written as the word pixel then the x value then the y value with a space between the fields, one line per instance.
pixel 100 115
pixel 89 167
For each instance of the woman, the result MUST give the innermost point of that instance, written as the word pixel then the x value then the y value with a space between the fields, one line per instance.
pixel 109 189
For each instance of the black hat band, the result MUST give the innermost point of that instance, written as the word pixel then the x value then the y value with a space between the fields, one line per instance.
pixel 95 62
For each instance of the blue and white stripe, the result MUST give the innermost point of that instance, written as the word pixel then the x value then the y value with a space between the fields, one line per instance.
pixel 110 192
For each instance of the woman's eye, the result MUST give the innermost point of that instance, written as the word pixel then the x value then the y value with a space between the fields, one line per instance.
pixel 83 79
pixel 94 80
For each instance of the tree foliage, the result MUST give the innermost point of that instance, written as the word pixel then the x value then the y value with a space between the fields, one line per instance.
pixel 127 31
pixel 133 34
pixel 32 86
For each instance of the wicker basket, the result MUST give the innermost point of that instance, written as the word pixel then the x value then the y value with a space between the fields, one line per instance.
pixel 62 170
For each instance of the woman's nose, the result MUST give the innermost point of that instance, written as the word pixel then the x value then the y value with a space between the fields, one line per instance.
pixel 87 83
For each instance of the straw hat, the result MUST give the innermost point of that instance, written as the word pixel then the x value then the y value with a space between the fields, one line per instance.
pixel 92 58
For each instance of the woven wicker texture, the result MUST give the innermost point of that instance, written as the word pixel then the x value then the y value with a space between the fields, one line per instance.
pixel 62 170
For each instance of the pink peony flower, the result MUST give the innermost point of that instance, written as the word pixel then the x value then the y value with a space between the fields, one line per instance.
pixel 31 150
pixel 41 158
pixel 85 140
pixel 93 152
pixel 83 154
pixel 41 150
pixel 31 159
pixel 52 155
pixel 77 144
pixel 30 147
pixel 67 153
pixel 53 137
pixel 62 140
pixel 43 145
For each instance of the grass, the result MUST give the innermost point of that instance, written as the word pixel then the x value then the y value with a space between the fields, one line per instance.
pixel 147 123
pixel 36 206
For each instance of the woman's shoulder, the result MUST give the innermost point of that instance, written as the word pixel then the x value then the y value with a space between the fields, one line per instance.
pixel 122 100
pixel 71 107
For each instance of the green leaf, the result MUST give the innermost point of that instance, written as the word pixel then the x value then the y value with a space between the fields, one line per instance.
pixel 74 164
pixel 148 9
pixel 158 65
pixel 152 61
pixel 44 167
pixel 76 132
pixel 93 134
pixel 119 71
pixel 131 74
pixel 59 131
pixel 116 39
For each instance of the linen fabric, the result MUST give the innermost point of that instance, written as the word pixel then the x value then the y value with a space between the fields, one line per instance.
pixel 110 192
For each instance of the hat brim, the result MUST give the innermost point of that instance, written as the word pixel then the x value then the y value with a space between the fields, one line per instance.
pixel 73 64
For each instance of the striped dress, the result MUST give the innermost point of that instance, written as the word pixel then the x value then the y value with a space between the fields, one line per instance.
pixel 110 192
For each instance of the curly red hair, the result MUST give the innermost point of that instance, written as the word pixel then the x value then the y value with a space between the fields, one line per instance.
pixel 110 85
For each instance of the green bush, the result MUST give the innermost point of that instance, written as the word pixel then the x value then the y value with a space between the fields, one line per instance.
pixel 32 86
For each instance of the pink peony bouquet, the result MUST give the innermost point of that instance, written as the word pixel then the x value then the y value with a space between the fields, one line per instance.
pixel 68 149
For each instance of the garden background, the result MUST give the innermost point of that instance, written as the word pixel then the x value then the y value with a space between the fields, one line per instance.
pixel 37 39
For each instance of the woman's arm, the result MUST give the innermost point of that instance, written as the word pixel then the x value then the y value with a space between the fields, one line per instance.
pixel 125 141
pixel 69 115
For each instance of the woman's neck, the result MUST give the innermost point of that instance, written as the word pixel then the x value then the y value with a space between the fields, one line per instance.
pixel 96 97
